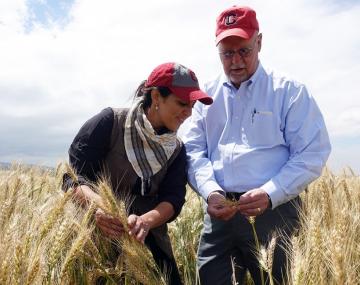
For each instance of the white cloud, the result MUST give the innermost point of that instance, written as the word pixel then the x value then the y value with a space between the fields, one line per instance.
pixel 345 154
pixel 346 123
pixel 12 15
pixel 57 77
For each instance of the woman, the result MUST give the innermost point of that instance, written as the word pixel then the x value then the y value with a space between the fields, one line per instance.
pixel 140 152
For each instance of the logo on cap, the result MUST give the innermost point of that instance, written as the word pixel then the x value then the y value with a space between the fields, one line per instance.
pixel 230 19
pixel 236 21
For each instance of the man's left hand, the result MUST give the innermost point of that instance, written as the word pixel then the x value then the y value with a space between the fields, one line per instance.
pixel 253 202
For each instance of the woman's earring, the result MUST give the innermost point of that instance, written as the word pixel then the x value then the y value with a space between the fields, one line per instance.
pixel 156 107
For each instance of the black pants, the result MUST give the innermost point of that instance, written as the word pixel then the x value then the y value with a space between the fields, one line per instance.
pixel 165 263
pixel 224 242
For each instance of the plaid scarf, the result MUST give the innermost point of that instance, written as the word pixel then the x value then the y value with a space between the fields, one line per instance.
pixel 146 151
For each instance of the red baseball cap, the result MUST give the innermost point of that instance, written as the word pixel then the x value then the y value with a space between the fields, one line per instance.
pixel 237 21
pixel 180 80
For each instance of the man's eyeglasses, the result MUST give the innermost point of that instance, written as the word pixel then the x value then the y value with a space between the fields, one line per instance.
pixel 243 52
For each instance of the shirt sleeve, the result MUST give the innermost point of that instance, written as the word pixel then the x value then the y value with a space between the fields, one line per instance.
pixel 173 187
pixel 89 148
pixel 309 147
pixel 201 175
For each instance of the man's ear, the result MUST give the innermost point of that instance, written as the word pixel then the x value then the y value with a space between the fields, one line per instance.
pixel 260 41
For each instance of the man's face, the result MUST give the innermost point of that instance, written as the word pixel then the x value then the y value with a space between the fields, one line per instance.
pixel 239 57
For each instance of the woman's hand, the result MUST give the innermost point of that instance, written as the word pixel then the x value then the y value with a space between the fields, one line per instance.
pixel 138 228
pixel 109 226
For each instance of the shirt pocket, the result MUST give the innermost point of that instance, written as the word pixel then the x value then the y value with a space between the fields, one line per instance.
pixel 265 130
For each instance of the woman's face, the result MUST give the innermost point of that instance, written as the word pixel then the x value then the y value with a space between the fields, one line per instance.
pixel 172 111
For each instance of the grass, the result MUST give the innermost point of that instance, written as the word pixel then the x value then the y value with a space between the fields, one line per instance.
pixel 45 238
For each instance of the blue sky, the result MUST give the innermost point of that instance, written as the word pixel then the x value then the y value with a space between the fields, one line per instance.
pixel 64 61
pixel 47 13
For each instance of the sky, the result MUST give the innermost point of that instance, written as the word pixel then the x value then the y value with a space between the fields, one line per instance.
pixel 63 61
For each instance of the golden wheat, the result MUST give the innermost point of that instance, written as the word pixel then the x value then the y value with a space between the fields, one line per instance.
pixel 46 238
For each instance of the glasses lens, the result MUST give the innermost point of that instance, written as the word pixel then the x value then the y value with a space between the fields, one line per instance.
pixel 229 54
pixel 244 52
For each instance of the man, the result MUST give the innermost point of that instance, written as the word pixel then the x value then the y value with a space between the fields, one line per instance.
pixel 261 142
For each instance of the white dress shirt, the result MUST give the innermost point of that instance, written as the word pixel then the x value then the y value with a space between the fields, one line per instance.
pixel 267 134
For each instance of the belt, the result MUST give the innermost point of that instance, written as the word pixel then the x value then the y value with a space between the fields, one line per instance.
pixel 234 195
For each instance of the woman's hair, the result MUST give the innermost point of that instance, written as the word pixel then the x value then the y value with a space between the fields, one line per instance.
pixel 145 92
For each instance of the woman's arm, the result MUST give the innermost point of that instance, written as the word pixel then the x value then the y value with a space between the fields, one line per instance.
pixel 86 155
pixel 171 198
pixel 109 226
pixel 140 225
pixel 173 187
pixel 89 148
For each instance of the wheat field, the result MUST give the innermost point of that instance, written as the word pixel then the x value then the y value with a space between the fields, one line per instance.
pixel 45 238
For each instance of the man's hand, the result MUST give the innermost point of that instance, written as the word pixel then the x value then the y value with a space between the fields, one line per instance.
pixel 253 202
pixel 109 226
pixel 217 207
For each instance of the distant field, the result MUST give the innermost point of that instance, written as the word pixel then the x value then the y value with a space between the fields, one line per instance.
pixel 4 165
pixel 46 239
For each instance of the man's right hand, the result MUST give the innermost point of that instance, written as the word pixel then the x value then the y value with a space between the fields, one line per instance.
pixel 217 207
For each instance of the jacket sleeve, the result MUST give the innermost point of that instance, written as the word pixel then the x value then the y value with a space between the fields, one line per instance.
pixel 89 148
pixel 173 187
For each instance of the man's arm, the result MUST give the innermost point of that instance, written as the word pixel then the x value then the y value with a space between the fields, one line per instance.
pixel 200 171
pixel 309 147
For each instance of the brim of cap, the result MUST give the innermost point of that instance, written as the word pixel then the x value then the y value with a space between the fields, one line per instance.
pixel 202 97
pixel 242 33
pixel 192 95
